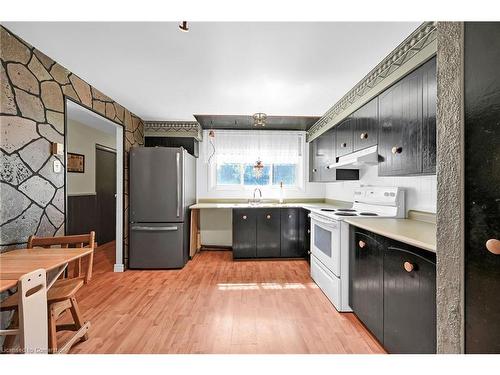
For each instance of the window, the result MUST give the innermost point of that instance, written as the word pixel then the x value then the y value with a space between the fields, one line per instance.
pixel 243 174
pixel 234 153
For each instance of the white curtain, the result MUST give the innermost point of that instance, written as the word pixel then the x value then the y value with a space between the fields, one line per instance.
pixel 235 146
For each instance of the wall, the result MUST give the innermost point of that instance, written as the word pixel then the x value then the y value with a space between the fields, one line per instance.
pixel 82 140
pixel 450 191
pixel 33 87
pixel 216 225
pixel 420 191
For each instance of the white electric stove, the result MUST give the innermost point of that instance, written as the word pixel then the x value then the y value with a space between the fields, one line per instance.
pixel 330 237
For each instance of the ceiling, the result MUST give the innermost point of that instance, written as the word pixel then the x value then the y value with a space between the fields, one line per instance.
pixel 160 73
pixel 247 122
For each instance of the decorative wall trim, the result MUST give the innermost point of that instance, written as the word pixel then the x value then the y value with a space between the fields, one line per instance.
pixel 412 52
pixel 450 188
pixel 173 129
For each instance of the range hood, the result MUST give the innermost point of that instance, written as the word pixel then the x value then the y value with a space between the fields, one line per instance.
pixel 367 156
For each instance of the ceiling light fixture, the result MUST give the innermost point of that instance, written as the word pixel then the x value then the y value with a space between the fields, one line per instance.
pixel 259 119
pixel 184 26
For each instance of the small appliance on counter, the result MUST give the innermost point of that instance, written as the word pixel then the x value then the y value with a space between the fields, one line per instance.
pixel 162 187
pixel 330 238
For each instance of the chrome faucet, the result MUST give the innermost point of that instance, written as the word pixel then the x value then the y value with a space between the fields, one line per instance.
pixel 260 193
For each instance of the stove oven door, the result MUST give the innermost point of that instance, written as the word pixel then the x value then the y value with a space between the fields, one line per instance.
pixel 325 242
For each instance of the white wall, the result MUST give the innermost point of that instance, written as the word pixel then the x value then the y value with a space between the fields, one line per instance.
pixel 82 140
pixel 420 190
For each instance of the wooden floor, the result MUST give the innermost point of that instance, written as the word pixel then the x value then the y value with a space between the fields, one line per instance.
pixel 215 305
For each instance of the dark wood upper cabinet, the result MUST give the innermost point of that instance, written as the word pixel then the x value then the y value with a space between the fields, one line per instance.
pixel 482 181
pixel 429 102
pixel 365 132
pixel 344 133
pixel 400 129
pixel 189 143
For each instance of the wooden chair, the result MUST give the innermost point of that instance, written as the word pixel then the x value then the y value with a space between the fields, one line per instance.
pixel 61 296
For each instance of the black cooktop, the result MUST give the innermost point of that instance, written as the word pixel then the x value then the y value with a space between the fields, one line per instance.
pixel 368 214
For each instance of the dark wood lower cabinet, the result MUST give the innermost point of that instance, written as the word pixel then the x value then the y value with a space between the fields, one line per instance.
pixel 366 295
pixel 270 233
pixel 244 233
pixel 392 290
pixel 409 301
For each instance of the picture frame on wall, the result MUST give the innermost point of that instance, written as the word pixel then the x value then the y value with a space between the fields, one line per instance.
pixel 76 163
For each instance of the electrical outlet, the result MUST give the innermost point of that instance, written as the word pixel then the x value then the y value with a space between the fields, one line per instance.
pixel 57 166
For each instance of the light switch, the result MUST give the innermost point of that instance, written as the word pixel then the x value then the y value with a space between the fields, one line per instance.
pixel 57 166
pixel 57 149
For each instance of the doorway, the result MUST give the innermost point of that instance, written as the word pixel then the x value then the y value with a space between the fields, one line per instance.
pixel 94 177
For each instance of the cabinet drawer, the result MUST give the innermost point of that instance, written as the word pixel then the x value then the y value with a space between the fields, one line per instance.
pixel 326 280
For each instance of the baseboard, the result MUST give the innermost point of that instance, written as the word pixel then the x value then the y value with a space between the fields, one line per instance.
pixel 119 268
pixel 215 247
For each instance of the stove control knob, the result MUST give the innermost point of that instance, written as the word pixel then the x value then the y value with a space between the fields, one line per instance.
pixel 362 244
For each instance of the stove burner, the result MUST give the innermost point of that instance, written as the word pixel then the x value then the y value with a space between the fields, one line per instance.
pixel 346 210
pixel 368 214
pixel 328 209
pixel 345 214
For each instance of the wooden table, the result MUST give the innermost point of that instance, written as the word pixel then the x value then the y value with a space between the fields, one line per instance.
pixel 16 263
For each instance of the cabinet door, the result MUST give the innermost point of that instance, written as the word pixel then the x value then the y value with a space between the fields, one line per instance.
pixel 482 181
pixel 304 232
pixel 366 280
pixel 400 109
pixel 344 130
pixel 314 162
pixel 290 233
pixel 244 233
pixel 409 300
pixel 429 117
pixel 366 125
pixel 268 232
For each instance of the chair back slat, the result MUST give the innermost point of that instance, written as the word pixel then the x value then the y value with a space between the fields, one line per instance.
pixel 77 241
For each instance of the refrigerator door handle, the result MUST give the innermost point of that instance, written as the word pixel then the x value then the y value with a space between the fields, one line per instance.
pixel 177 160
pixel 154 229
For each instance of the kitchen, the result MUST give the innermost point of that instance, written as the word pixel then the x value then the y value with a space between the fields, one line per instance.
pixel 269 231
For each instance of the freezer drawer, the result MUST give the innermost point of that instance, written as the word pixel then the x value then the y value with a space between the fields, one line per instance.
pixel 156 245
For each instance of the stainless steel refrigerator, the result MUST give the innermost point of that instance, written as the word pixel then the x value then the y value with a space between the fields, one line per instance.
pixel 162 187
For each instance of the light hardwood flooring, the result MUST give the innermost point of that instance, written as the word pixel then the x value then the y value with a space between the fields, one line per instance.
pixel 215 305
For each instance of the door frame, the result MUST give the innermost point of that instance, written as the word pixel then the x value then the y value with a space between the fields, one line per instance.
pixel 119 265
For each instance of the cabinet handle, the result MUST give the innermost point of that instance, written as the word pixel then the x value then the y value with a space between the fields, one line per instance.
pixel 343 145
pixel 268 217
pixel 493 246
pixel 244 217
pixel 315 170
pixel 408 266
pixel 362 244
pixel 289 216
pixel 397 150
pixel 308 231
pixel 363 135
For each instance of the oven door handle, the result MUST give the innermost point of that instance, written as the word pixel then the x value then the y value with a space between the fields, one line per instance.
pixel 316 218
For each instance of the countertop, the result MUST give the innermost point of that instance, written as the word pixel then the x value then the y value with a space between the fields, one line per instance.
pixel 417 233
pixel 306 205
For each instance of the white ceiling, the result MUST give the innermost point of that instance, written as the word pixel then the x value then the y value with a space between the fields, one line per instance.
pixel 160 73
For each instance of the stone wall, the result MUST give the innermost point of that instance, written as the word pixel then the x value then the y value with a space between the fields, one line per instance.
pixel 450 190
pixel 33 90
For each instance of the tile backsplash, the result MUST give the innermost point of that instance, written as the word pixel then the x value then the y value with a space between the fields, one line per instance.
pixel 420 190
